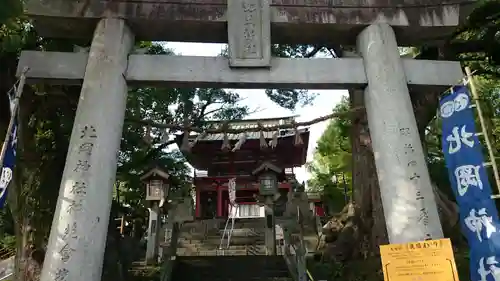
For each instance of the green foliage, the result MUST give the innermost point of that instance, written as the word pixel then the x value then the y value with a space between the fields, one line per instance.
pixel 7 235
pixel 370 269
pixel 9 9
pixel 142 150
pixel 290 98
pixel 477 42
pixel 489 90
pixel 356 270
pixel 333 157
pixel 8 242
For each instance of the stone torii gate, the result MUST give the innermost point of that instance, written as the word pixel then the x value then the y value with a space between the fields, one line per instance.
pixel 77 240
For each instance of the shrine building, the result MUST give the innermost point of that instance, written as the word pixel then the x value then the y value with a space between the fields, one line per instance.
pixel 217 158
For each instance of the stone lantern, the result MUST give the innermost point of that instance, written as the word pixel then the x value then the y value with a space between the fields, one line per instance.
pixel 157 186
pixel 269 175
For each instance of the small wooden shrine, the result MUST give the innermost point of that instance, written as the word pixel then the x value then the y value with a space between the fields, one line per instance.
pixel 219 157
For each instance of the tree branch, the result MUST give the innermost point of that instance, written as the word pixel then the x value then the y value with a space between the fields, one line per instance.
pixel 236 131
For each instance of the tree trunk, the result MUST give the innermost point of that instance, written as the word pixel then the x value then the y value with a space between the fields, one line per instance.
pixel 363 230
pixel 29 256
pixel 26 199
pixel 366 193
pixel 29 259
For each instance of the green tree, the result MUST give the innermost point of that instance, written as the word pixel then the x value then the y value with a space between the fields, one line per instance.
pixel 333 157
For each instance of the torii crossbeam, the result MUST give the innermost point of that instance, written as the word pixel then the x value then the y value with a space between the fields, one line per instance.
pixel 181 71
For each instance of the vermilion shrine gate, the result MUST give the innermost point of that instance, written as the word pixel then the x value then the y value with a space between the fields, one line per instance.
pixel 376 27
pixel 222 164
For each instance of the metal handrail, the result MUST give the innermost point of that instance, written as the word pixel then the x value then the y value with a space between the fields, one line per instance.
pixel 292 250
pixel 7 276
pixel 229 234
pixel 9 264
pixel 309 275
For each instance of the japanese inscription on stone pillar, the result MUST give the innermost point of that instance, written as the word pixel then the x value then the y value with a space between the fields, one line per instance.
pixel 76 196
pixel 414 177
pixel 249 33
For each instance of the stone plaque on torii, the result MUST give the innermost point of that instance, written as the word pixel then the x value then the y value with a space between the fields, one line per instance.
pixel 252 26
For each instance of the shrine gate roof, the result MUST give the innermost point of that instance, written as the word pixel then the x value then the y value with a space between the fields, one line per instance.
pixel 254 124
pixel 250 135
pixel 207 154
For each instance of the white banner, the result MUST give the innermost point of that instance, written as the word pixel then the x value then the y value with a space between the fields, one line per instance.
pixel 232 191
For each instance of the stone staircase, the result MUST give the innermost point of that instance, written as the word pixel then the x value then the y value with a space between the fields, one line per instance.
pixel 203 238
pixel 198 256
pixel 230 268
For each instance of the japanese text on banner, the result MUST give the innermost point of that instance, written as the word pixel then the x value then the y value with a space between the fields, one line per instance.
pixel 468 176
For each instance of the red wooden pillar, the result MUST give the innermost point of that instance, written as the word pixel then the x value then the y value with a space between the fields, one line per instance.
pixel 219 201
pixel 198 205
pixel 225 209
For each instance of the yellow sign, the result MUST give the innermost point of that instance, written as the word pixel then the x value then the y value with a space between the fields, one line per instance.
pixel 430 260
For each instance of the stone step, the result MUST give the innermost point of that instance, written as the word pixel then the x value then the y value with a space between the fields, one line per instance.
pixel 235 232
pixel 191 244
pixel 223 268
pixel 214 252
pixel 214 240
pixel 220 231
pixel 216 246
pixel 205 245
pixel 217 224
pixel 205 250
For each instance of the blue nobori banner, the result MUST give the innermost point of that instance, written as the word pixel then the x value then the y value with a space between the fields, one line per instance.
pixel 8 163
pixel 469 180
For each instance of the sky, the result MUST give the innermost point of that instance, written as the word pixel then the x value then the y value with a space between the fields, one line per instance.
pixel 322 105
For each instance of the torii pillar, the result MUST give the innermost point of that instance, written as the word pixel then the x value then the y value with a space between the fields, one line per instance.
pixel 408 200
pixel 79 229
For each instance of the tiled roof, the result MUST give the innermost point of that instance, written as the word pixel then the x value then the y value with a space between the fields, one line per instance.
pixel 250 135
pixel 249 123
pixel 254 123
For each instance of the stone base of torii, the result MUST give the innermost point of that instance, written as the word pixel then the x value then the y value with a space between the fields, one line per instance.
pixel 78 235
